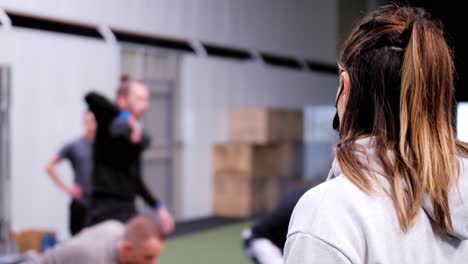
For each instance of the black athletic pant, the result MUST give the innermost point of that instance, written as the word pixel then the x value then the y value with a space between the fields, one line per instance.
pixel 78 216
pixel 110 209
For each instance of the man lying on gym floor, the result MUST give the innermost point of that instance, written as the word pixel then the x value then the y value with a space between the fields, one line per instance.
pixel 140 241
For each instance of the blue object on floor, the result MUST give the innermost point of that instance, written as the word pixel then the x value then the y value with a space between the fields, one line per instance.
pixel 48 241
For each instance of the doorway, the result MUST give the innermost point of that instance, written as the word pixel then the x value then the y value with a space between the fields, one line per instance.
pixel 158 69
pixel 5 198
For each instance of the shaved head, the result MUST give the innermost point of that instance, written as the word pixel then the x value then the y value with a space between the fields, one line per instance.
pixel 142 242
pixel 141 228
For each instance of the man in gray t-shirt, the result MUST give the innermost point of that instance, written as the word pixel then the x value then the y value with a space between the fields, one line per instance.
pixel 140 241
pixel 80 154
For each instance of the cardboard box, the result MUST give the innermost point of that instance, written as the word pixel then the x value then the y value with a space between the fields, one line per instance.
pixel 246 160
pixel 263 125
pixel 241 197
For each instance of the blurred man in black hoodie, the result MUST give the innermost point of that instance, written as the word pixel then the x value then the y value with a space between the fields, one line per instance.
pixel 119 144
pixel 264 241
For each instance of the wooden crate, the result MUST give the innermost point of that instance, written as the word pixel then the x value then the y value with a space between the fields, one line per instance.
pixel 248 160
pixel 245 160
pixel 263 125
pixel 242 197
pixel 290 159
pixel 31 239
pixel 294 128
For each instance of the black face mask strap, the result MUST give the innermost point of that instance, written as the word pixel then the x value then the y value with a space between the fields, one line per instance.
pixel 336 122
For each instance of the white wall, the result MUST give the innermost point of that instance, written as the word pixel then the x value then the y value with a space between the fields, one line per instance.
pixel 52 68
pixel 50 74
pixel 305 28
pixel 209 89
pixel 462 124
pixel 319 137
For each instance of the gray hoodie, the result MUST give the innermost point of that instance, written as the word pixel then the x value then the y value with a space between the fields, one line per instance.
pixel 336 222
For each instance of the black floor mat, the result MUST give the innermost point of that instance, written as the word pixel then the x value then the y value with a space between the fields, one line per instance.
pixel 186 227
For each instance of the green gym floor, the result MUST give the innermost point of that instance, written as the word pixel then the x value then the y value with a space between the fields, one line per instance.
pixel 221 245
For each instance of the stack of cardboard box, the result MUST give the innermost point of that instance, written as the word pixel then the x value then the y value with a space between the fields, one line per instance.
pixel 265 146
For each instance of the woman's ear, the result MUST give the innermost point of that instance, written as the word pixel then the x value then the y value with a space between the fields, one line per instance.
pixel 343 94
pixel 345 85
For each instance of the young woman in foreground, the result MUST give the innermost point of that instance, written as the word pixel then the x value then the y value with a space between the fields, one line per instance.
pixel 399 187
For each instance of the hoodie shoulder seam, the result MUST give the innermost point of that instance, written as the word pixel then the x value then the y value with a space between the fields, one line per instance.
pixel 322 241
